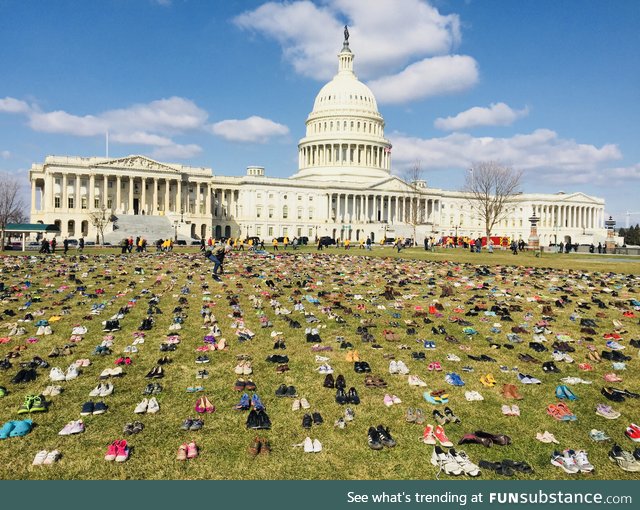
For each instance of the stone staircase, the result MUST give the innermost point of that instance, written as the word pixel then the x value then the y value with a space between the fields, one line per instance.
pixel 149 227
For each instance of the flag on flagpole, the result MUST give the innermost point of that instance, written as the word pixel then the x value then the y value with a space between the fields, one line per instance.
pixel 387 149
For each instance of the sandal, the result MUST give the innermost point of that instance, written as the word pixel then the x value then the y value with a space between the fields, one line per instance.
pixel 498 467
pixel 523 467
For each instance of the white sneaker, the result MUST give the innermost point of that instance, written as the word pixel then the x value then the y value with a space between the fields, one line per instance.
pixel 57 374
pixel 321 359
pixel 317 446
pixel 107 390
pixel 79 330
pixel 393 367
pixel 308 445
pixel 582 461
pixel 72 373
pixel 445 462
pixel 453 357
pixel 468 467
pixel 40 458
pixel 142 407
pixel 153 406
pixel 55 390
pixel 95 392
pixel 402 368
pixel 295 406
pixel 304 403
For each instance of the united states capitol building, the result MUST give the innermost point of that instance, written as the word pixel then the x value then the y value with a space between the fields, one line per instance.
pixel 343 188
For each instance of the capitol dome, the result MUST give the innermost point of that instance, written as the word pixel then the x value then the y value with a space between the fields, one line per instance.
pixel 345 132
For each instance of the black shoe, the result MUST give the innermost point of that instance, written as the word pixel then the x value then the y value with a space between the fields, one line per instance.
pixel 357 367
pixel 608 393
pixel 317 419
pixel 340 382
pixel 148 389
pixel 451 415
pixel 636 453
pixel 537 346
pixel 385 437
pixel 373 438
pixel 263 420
pixel 484 357
pixel 352 396
pixel 19 377
pixel 341 397
pixel 252 419
pixel 550 366
pixel 329 381
pixel 5 364
pixel 365 366
pixel 307 421
pixel 281 391
pixel 291 392
pixel 634 343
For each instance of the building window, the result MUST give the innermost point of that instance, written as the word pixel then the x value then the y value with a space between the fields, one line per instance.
pixel 56 202
pixel 259 196
pixel 310 198
pixel 123 185
pixel 270 232
pixel 299 198
pixel 96 203
pixel 285 212
pixel 310 213
pixel 285 231
pixel 270 212
pixel 70 202
pixel 299 231
pixel 270 195
pixel 284 197
pixel 258 212
pixel 258 230
pixel 109 203
pixel 310 232
pixel 299 213
pixel 109 184
pixel 84 202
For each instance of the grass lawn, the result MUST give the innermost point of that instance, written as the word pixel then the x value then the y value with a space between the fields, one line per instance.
pixel 336 278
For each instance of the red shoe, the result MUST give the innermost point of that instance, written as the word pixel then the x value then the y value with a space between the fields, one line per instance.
pixel 192 450
pixel 585 366
pixel 200 406
pixel 119 361
pixel 427 435
pixel 122 451
pixel 442 437
pixel 112 451
pixel 633 434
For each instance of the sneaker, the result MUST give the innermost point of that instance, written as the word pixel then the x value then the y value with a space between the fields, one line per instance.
pixel 317 446
pixel 427 435
pixel 598 435
pixel 40 458
pixel 153 406
pixel 445 462
pixel 607 412
pixel 308 445
pixel 87 408
pixel 122 451
pixel 142 407
pixel 624 459
pixel 100 408
pixel 385 437
pixel 373 438
pixel 468 467
pixel 112 452
pixel 582 461
pixel 107 389
pixel 565 461
pixel 442 437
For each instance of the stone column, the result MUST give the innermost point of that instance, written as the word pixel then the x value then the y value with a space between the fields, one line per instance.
pixel 65 202
pixel 77 201
pixel 154 208
pixel 142 206
pixel 131 186
pixel 207 201
pixel 178 204
pixel 33 195
pixel 105 185
pixel 118 206
pixel 166 195
pixel 91 192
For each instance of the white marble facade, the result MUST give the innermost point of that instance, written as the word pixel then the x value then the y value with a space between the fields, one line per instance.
pixel 343 188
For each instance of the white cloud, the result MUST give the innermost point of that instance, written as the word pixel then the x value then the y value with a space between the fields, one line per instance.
pixel 498 114
pixel 12 105
pixel 176 151
pixel 252 129
pixel 429 77
pixel 555 159
pixel 5 154
pixel 396 36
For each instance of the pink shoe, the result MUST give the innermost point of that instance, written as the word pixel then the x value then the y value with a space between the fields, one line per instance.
pixel 192 450
pixel 122 451
pixel 427 435
pixel 200 406
pixel 442 437
pixel 611 377
pixel 388 400
pixel 112 451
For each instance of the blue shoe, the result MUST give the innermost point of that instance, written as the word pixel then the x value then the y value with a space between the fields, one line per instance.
pixel 559 392
pixel 6 429
pixel 568 393
pixel 256 402
pixel 22 428
pixel 244 403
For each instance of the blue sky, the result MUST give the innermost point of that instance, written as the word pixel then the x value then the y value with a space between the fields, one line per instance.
pixel 550 87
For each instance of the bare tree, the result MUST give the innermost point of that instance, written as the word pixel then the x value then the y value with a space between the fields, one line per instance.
pixel 101 219
pixel 492 190
pixel 414 176
pixel 11 203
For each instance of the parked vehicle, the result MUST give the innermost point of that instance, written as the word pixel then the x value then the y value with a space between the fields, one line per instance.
pixel 327 241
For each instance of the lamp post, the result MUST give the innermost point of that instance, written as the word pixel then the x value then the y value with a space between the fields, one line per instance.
pixel 610 244
pixel 534 240
pixel 455 239
pixel 175 230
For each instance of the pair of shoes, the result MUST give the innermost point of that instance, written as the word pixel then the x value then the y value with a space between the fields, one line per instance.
pixel 33 404
pixel 45 457
pixel 191 424
pixel 563 391
pixel 297 404
pixel 187 451
pixel 398 367
pixel 473 395
pixel 414 380
pixel 102 390
pixel 90 407
pixel 415 415
pixel 607 412
pixel 528 379
pixel 241 385
pixel 546 437
pixel 513 410
pixel 454 379
pixel 203 405
pixel 17 428
pixel 286 391
pixel 49 391
pixel 361 367
pixel 431 434
pixel 453 462
pixel 561 412
pixel 152 389
pixel 311 446
pixel 571 461
pixel 488 380
pixel 73 427
pixel 133 428
pixel 147 406
pixel 258 419
pixel 156 372
pixel 598 435
pixel 111 372
pixel 436 397
pixel 309 419
pixel 448 416
pixel 349 397
pixel 486 439
pixel 379 437
pixel 389 400
pixel 633 433
pixel 118 451
pixel 259 445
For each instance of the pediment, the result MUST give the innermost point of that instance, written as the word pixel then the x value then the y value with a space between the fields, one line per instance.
pixel 136 163
pixel 393 184
pixel 577 197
